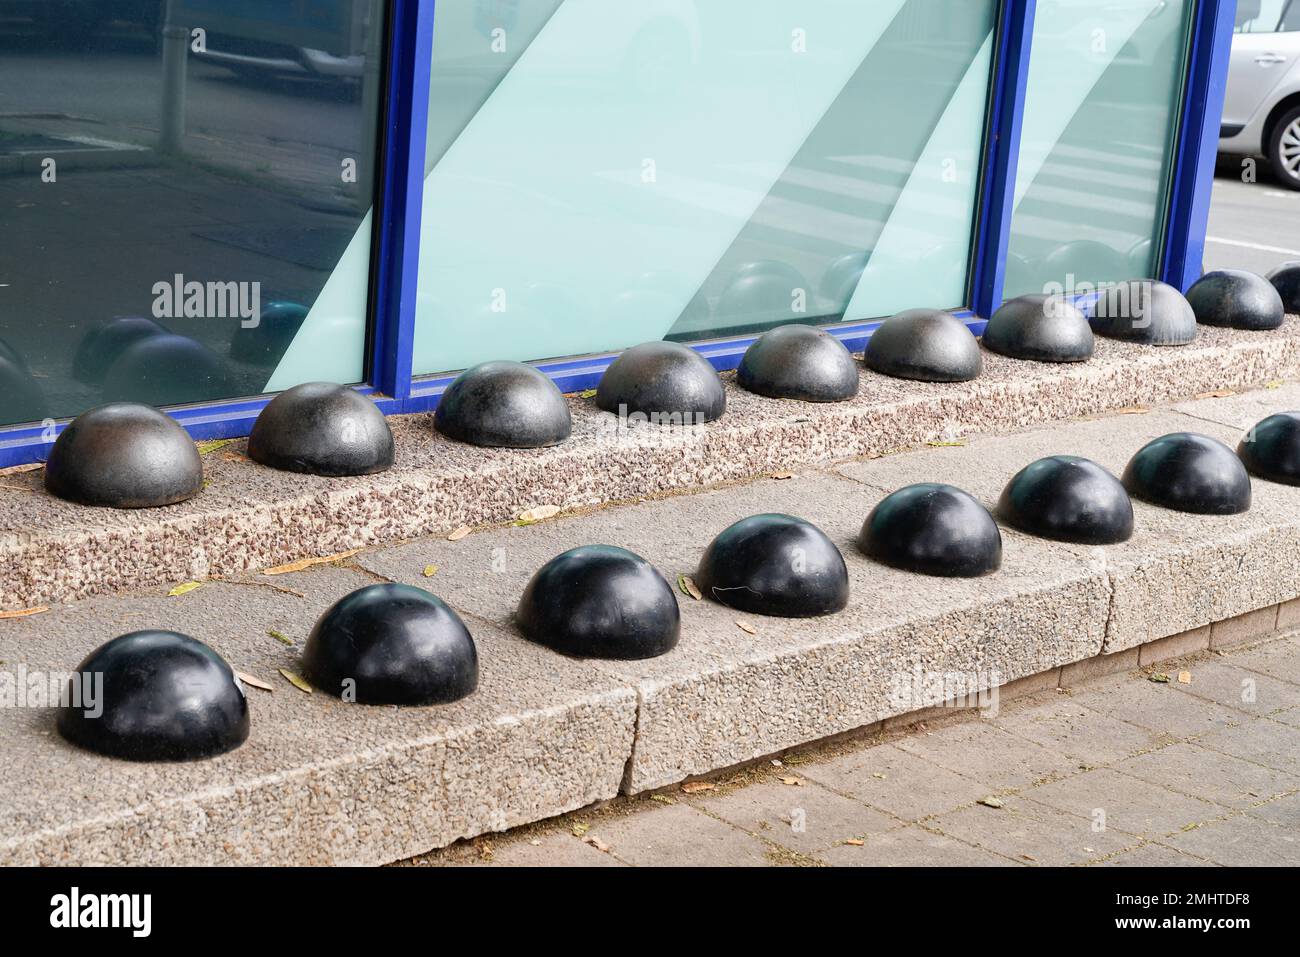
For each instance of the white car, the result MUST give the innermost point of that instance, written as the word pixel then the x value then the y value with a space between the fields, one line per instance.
pixel 1261 114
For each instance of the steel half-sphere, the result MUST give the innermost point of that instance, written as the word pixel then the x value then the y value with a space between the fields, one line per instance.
pixel 934 530
pixel 124 455
pixel 1271 449
pixel 666 382
pixel 267 341
pixel 322 429
pixel 104 344
pixel 392 644
pixel 1236 299
pixel 21 399
pixel 1041 328
pixel 1069 499
pixel 503 405
pixel 775 565
pixel 158 696
pixel 166 370
pixel 1189 472
pixel 1286 280
pixel 926 345
pixel 799 362
pixel 598 601
pixel 1144 311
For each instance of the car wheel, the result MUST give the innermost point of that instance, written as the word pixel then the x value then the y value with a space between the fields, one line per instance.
pixel 1284 149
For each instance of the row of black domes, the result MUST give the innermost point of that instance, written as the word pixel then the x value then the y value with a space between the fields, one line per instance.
pixel 131 456
pixel 170 697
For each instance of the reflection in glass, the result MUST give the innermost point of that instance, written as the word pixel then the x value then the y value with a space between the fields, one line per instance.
pixel 179 183
pixel 602 174
pixel 1105 82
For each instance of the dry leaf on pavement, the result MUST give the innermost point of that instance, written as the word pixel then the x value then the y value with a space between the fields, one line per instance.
pixel 255 682
pixel 297 681
pixel 25 612
pixel 688 587
pixel 183 589
pixel 696 787
pixel 459 533
pixel 302 563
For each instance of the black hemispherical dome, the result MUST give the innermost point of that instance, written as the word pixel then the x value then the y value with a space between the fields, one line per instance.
pixel 162 696
pixel 1068 499
pixel 1145 311
pixel 1271 449
pixel 104 344
pixel 1237 299
pixel 124 455
pixel 799 362
pixel 391 644
pixel 322 429
pixel 1286 280
pixel 1041 328
pixel 934 530
pixel 598 601
pixel 667 382
pixel 1189 473
pixel 507 405
pixel 775 565
pixel 926 345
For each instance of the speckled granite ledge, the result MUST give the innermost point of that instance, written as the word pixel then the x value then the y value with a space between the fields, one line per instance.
pixel 320 781
pixel 250 517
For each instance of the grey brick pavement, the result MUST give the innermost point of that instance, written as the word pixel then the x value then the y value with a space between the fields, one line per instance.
pixel 1121 771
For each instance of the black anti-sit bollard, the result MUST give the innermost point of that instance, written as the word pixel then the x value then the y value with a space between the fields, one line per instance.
pixel 322 429
pixel 392 644
pixel 124 455
pixel 1271 449
pixel 1189 472
pixel 775 565
pixel 799 362
pixel 1068 499
pixel 934 530
pixel 598 601
pixel 1144 311
pixel 1237 299
pixel 1040 328
pixel 1286 280
pixel 926 345
pixel 666 382
pixel 155 696
pixel 503 405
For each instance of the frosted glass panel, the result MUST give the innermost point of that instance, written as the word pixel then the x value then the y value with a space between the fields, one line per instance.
pixel 1105 84
pixel 605 172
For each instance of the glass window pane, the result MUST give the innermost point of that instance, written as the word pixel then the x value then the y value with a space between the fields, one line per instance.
pixel 1102 105
pixel 604 173
pixel 210 184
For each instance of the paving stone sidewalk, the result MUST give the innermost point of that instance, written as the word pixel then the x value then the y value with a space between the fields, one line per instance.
pixel 1201 769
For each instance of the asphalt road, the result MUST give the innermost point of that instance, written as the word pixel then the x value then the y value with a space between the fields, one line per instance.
pixel 1254 226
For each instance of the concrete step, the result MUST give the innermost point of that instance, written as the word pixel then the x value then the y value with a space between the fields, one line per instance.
pixel 250 517
pixel 320 781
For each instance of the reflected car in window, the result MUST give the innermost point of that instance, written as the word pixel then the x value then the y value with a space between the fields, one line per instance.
pixel 1261 114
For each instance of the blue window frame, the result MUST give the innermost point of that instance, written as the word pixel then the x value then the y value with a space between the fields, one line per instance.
pixel 410 33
